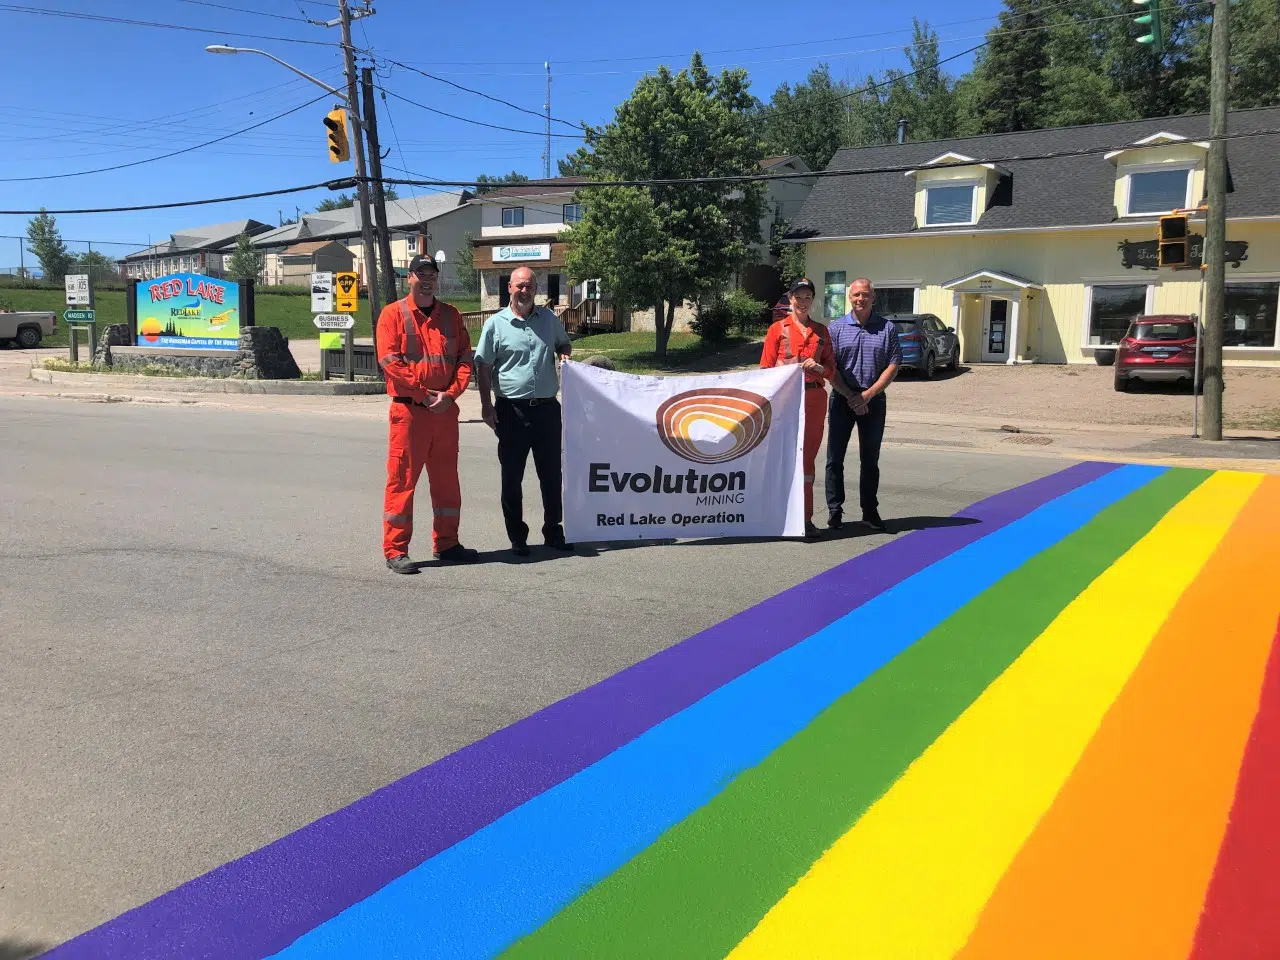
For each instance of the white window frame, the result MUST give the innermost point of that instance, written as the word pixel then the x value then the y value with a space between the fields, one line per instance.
pixel 1188 201
pixel 1148 306
pixel 972 184
pixel 914 285
pixel 512 226
pixel 411 242
pixel 564 212
pixel 1257 278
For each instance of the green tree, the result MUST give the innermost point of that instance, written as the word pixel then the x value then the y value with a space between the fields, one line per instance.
pixel 808 120
pixel 659 246
pixel 245 262
pixel 790 256
pixel 575 164
pixel 485 183
pixel 1006 86
pixel 923 95
pixel 468 275
pixel 46 243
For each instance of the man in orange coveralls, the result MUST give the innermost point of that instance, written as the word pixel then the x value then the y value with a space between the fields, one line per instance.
pixel 425 354
pixel 798 339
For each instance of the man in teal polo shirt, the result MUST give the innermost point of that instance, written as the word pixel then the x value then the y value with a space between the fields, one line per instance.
pixel 516 358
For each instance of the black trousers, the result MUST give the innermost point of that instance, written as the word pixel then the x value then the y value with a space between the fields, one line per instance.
pixel 523 427
pixel 841 420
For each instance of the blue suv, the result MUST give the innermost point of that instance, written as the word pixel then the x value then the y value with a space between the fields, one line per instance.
pixel 927 345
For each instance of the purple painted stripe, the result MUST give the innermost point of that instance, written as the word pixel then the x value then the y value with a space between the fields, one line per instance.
pixel 259 904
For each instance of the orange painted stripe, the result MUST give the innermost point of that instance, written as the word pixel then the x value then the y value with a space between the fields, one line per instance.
pixel 1119 865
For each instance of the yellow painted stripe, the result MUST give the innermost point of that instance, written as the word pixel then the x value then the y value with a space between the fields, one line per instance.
pixel 910 878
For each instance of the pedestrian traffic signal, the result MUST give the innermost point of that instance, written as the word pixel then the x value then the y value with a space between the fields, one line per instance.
pixel 1153 20
pixel 1172 241
pixel 339 145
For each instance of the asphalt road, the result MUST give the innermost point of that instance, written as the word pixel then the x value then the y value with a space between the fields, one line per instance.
pixel 203 650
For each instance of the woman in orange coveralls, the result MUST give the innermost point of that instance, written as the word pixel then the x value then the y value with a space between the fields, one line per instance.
pixel 798 339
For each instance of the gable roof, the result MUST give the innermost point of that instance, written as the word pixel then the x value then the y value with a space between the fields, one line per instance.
pixel 195 239
pixel 345 222
pixel 1067 191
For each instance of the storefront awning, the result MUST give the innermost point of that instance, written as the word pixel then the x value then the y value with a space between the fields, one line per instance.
pixel 991 279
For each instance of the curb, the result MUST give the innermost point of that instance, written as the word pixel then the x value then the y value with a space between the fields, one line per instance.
pixel 291 388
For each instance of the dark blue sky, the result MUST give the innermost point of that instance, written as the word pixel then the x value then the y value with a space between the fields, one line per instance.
pixel 89 94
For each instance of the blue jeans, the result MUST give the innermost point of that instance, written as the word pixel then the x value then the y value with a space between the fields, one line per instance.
pixel 840 421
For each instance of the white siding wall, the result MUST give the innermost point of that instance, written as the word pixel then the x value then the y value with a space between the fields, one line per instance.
pixel 543 214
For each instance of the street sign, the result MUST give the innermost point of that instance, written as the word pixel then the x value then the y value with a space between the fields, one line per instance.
pixel 334 321
pixel 78 316
pixel 78 290
pixel 347 295
pixel 322 292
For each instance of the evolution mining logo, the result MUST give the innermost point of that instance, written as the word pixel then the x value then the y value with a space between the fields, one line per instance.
pixel 744 418
pixel 710 426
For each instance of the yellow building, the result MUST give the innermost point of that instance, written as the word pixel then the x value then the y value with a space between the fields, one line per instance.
pixel 1039 247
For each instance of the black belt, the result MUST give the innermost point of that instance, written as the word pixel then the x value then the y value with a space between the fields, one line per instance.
pixel 529 401
pixel 408 400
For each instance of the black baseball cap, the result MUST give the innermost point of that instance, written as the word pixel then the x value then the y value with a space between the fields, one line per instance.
pixel 804 283
pixel 422 260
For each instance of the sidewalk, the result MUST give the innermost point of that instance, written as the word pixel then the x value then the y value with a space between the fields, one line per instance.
pixel 919 414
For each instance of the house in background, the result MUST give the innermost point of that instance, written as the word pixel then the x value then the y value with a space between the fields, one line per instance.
pixel 424 224
pixel 296 263
pixel 784 199
pixel 193 250
pixel 1047 260
pixel 520 226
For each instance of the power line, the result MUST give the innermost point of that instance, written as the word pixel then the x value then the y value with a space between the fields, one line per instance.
pixel 480 93
pixel 115 243
pixel 172 153
pixel 256 13
pixel 348 182
pixel 100 18
pixel 479 123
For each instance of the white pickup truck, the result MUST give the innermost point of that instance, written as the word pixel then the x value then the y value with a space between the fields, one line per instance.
pixel 27 327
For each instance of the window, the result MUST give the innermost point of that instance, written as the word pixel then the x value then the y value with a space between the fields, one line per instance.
pixel 573 213
pixel 411 242
pixel 1158 191
pixel 504 294
pixel 513 216
pixel 1250 315
pixel 949 205
pixel 1111 310
pixel 895 300
pixel 833 290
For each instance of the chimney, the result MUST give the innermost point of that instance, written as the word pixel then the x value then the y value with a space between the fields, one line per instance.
pixel 902 130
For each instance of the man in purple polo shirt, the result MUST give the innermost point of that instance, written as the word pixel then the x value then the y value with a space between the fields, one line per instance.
pixel 867 359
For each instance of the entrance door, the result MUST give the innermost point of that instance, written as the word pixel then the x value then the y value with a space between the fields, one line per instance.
pixel 995 329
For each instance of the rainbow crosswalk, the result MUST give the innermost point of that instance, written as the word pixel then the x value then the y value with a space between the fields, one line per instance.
pixel 1050 729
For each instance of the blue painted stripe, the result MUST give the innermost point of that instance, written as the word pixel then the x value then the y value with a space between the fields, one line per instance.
pixel 503 881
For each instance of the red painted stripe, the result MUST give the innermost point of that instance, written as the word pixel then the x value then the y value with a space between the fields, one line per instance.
pixel 1241 916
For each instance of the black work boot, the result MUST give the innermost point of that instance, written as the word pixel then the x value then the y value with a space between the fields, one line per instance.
pixel 457 554
pixel 401 564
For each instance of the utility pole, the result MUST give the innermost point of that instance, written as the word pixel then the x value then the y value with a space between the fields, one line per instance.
pixel 1215 231
pixel 546 157
pixel 362 177
pixel 389 290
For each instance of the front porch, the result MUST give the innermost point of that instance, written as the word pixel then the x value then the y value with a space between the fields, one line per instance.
pixel 994 313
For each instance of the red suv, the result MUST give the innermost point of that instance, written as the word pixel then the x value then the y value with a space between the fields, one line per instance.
pixel 1160 347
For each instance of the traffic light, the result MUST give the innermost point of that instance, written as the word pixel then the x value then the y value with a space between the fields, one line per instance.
pixel 1172 241
pixel 339 145
pixel 1153 20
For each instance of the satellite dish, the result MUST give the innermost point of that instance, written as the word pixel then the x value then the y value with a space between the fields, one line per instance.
pixel 440 257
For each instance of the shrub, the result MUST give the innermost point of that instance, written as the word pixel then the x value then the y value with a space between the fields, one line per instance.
pixel 727 311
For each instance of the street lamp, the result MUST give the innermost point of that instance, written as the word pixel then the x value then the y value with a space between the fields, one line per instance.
pixel 222 48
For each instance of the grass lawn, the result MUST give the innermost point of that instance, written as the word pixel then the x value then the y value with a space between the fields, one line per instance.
pixel 686 352
pixel 291 313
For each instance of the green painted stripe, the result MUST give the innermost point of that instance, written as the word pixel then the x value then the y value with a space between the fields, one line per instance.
pixel 707 881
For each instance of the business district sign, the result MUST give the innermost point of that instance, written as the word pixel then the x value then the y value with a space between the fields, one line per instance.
pixel 189 311
pixel 528 251
pixel 663 457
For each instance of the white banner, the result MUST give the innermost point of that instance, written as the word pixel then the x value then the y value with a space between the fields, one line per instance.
pixel 661 457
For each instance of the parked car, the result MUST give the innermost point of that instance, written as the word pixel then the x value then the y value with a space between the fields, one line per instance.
pixel 1158 348
pixel 27 328
pixel 927 344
